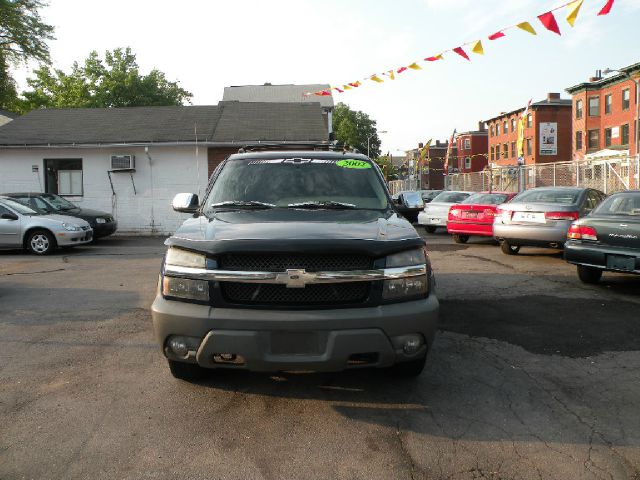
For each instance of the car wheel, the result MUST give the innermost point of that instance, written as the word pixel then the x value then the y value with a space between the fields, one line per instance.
pixel 460 238
pixel 509 249
pixel 430 229
pixel 41 242
pixel 412 368
pixel 187 371
pixel 589 274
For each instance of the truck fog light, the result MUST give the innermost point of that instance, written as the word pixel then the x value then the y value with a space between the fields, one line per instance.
pixel 412 344
pixel 178 346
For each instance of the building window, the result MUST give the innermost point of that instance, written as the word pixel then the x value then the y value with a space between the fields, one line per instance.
pixel 607 137
pixel 63 176
pixel 467 163
pixel 608 102
pixel 578 108
pixel 497 128
pixel 625 99
pixel 529 120
pixel 491 130
pixel 594 139
pixel 529 150
pixel 492 154
pixel 624 134
pixel 594 107
pixel 467 143
pixel 513 149
pixel 578 140
pixel 497 152
pixel 505 150
pixel 513 125
pixel 505 127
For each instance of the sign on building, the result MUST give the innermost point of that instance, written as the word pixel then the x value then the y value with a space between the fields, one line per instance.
pixel 548 138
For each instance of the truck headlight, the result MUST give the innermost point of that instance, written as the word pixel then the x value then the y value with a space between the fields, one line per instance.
pixel 186 288
pixel 410 286
pixel 184 258
pixel 70 228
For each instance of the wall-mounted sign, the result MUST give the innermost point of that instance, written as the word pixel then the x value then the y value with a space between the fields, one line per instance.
pixel 548 138
pixel 34 168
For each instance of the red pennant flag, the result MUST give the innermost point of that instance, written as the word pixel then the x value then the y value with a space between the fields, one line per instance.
pixel 323 93
pixel 433 59
pixel 607 8
pixel 549 21
pixel 355 84
pixel 401 69
pixel 461 52
pixel 496 36
pixel 339 90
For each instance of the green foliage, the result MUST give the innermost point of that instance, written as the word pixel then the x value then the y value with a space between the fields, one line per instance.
pixel 23 37
pixel 387 167
pixel 113 82
pixel 352 128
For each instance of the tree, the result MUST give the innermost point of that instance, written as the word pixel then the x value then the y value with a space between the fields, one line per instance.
pixel 113 82
pixel 352 128
pixel 23 37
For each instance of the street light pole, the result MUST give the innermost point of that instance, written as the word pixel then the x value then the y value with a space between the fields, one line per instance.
pixel 369 138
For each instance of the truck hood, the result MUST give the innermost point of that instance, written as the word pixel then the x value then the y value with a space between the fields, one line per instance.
pixel 287 230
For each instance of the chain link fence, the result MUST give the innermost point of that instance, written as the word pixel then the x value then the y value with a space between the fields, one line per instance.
pixel 608 175
pixel 396 186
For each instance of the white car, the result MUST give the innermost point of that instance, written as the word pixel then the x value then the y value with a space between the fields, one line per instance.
pixel 436 212
pixel 23 227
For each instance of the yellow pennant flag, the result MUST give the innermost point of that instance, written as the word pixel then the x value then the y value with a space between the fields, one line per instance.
pixel 477 48
pixel 574 8
pixel 347 87
pixel 415 66
pixel 526 26
pixel 392 75
pixel 376 78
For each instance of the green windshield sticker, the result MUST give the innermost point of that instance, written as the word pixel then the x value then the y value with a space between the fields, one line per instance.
pixel 353 164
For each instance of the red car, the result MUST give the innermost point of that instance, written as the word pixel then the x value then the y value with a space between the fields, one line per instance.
pixel 474 216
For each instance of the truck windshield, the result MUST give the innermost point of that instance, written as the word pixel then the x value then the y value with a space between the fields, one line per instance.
pixel 297 183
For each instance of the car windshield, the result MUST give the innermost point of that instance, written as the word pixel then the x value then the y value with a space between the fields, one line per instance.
pixel 487 198
pixel 297 183
pixel 57 202
pixel 622 204
pixel 564 196
pixel 412 197
pixel 18 207
pixel 450 197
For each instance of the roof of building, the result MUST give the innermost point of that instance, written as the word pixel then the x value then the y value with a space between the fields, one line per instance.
pixel 233 122
pixel 4 113
pixel 473 132
pixel 557 102
pixel 604 82
pixel 278 93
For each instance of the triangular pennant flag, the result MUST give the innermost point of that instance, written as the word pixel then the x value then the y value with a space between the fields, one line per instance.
pixel 574 8
pixel 434 58
pixel 415 66
pixel 461 52
pixel 376 78
pixel 549 21
pixel 355 84
pixel 392 75
pixel 607 8
pixel 496 36
pixel 526 26
pixel 347 87
pixel 339 90
pixel 402 69
pixel 323 93
pixel 477 48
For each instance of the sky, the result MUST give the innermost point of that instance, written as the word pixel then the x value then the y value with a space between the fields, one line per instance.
pixel 207 45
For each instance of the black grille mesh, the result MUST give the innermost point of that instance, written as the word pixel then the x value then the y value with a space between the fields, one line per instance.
pixel 319 294
pixel 281 262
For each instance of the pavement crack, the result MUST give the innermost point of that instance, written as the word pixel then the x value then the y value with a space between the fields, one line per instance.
pixel 407 455
pixel 33 273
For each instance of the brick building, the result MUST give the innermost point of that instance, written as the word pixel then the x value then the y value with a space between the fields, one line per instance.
pixel 472 148
pixel 605 113
pixel 547 133
pixel 432 173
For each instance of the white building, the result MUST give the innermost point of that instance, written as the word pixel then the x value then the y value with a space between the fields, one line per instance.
pixel 131 161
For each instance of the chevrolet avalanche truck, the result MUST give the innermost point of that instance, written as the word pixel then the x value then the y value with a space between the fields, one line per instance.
pixel 294 261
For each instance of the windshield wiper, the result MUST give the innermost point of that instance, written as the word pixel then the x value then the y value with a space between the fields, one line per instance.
pixel 242 204
pixel 324 204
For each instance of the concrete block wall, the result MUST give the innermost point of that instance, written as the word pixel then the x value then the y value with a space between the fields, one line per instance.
pixel 147 210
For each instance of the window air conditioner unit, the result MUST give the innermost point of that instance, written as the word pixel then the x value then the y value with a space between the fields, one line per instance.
pixel 123 162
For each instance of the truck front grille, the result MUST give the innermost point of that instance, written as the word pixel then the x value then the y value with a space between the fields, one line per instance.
pixel 313 295
pixel 281 262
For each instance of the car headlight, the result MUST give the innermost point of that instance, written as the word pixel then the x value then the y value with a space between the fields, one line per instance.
pixel 410 286
pixel 101 220
pixel 71 228
pixel 185 288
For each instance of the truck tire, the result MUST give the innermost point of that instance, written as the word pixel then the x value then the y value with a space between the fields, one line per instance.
pixel 589 274
pixel 187 371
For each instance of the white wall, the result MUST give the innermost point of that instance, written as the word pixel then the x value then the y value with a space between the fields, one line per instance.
pixel 171 170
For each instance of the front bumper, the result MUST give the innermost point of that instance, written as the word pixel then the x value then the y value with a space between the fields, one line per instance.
pixel 593 255
pixel 319 340
pixel 67 239
pixel 104 229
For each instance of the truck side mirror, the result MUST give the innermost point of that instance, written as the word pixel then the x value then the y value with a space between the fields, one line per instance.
pixel 186 203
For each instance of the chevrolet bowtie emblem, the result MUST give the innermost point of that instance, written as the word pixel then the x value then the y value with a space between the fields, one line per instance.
pixel 294 278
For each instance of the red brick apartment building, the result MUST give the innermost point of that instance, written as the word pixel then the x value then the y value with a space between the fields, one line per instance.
pixel 547 133
pixel 432 177
pixel 472 150
pixel 605 113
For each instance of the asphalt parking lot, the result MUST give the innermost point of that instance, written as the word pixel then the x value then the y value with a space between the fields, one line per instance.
pixel 533 375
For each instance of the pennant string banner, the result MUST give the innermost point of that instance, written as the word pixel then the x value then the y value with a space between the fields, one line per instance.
pixel 547 19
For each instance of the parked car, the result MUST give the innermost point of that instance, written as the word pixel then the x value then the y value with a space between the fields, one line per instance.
pixel 474 215
pixel 409 204
pixel 541 217
pixel 294 260
pixel 23 227
pixel 436 212
pixel 608 239
pixel 428 195
pixel 102 223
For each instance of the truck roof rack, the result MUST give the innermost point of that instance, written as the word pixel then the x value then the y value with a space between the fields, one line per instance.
pixel 318 146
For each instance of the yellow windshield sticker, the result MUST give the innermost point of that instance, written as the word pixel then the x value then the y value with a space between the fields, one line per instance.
pixel 353 164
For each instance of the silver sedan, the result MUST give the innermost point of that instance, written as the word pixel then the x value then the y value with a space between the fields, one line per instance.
pixel 23 227
pixel 541 217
